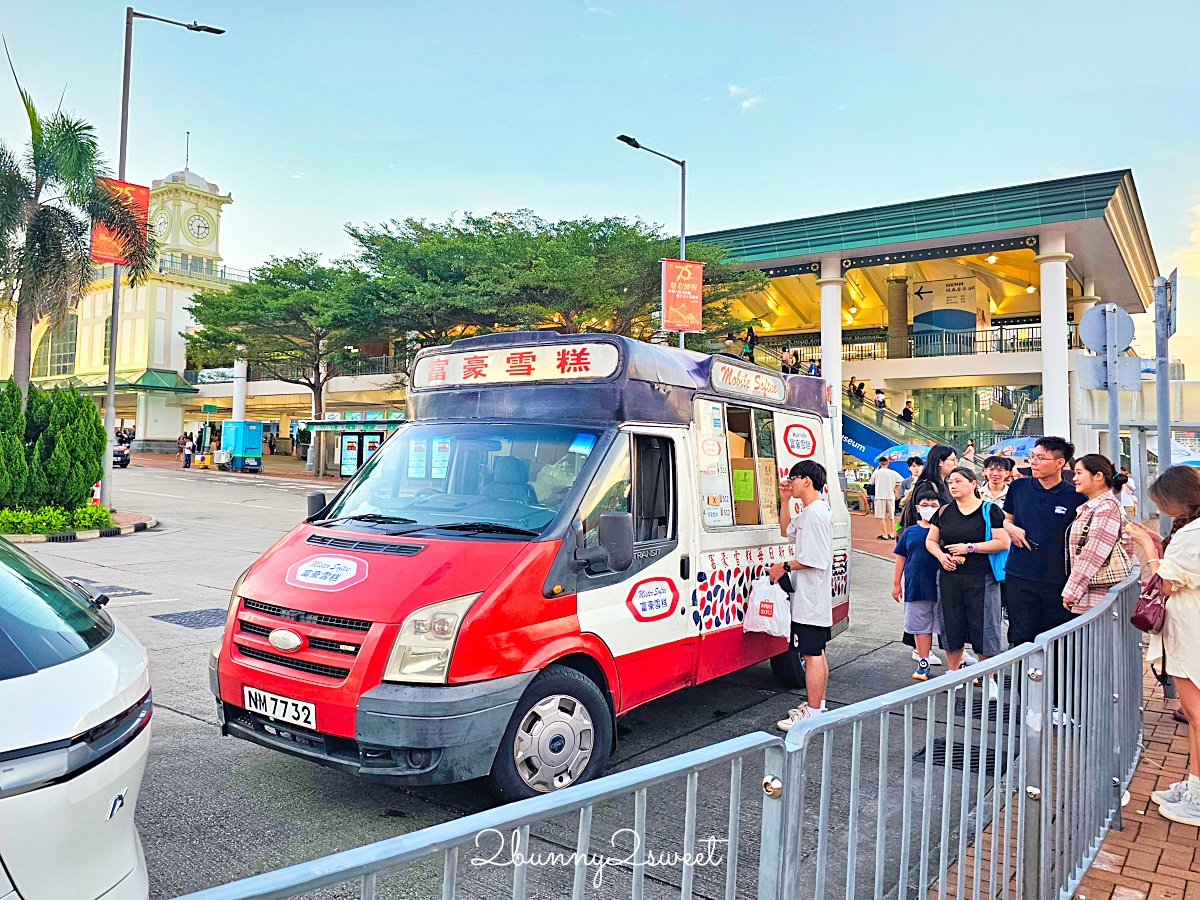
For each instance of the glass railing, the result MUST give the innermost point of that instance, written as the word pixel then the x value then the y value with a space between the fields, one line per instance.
pixel 874 344
pixel 367 365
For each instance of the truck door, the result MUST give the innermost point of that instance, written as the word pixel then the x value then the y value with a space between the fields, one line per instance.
pixel 643 614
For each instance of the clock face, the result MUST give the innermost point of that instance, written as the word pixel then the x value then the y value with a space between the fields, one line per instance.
pixel 198 227
pixel 161 223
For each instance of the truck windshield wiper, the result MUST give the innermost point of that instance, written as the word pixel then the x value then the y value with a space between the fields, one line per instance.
pixel 373 518
pixel 489 527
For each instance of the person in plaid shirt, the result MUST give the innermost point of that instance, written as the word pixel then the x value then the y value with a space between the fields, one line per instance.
pixel 1098 480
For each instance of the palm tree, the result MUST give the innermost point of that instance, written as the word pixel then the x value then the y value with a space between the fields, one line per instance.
pixel 49 200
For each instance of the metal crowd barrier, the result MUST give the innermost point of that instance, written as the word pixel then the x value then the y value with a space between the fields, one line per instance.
pixel 933 791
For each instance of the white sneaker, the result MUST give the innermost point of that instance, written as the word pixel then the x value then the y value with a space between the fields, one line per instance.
pixel 1186 811
pixel 1059 718
pixel 993 691
pixel 1172 794
pixel 969 658
pixel 932 658
pixel 794 716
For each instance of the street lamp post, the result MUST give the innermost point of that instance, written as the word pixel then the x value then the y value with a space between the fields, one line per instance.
pixel 632 142
pixel 110 411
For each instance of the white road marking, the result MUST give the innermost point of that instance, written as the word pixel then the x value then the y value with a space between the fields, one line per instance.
pixel 144 602
pixel 152 494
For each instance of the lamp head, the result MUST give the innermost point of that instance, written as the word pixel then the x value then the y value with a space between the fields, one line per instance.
pixel 207 29
pixel 632 142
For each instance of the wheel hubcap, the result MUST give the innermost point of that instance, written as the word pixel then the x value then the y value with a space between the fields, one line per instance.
pixel 554 743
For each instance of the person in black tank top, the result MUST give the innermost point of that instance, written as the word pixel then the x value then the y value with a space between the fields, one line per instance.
pixel 968 592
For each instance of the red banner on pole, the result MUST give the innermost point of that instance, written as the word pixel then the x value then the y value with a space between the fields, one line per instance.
pixel 682 295
pixel 105 247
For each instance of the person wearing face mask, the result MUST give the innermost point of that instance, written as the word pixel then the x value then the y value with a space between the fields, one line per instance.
pixel 915 579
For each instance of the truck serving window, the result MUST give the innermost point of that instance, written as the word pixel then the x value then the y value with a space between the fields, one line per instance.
pixel 433 475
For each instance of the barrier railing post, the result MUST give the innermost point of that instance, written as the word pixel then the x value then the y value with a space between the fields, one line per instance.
pixel 1118 719
pixel 773 846
pixel 1034 772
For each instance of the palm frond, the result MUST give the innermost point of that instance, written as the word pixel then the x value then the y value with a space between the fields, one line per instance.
pixel 71 144
pixel 37 151
pixel 54 264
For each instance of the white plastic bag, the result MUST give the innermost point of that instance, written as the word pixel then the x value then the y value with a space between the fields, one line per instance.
pixel 768 609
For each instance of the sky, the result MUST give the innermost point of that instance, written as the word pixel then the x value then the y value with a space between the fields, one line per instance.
pixel 315 115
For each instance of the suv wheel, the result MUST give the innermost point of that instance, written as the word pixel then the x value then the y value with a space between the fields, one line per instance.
pixel 559 734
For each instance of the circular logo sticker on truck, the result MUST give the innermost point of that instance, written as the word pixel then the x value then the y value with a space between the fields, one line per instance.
pixel 327 573
pixel 799 441
pixel 654 598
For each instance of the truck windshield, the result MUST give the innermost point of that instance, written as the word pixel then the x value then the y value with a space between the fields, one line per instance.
pixel 464 477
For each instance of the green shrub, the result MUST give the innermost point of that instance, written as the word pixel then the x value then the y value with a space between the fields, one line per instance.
pixel 16 521
pixel 88 517
pixel 51 519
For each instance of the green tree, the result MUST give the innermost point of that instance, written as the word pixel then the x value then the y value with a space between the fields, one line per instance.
pixel 293 320
pixel 514 270
pixel 49 200
pixel 444 279
pixel 66 459
pixel 14 470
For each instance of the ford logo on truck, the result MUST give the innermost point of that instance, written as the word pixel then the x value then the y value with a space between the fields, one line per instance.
pixel 282 639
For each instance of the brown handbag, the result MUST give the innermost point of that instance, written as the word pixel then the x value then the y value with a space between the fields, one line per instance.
pixel 1150 612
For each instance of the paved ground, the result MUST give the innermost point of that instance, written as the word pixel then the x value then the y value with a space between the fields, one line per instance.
pixel 1151 857
pixel 214 809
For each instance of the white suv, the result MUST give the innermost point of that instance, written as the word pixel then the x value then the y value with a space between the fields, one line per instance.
pixel 74 730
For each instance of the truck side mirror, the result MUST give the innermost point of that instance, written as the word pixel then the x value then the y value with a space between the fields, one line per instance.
pixel 316 503
pixel 616 537
pixel 615 543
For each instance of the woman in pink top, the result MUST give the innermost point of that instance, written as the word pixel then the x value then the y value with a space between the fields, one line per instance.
pixel 1098 527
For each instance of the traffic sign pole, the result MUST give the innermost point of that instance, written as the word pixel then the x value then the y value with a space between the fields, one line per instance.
pixel 1114 385
pixel 1162 331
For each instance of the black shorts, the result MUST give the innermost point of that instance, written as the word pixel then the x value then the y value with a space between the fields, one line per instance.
pixel 810 640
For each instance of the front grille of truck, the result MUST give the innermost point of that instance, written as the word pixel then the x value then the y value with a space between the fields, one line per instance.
pixel 307 618
pixel 301 665
pixel 315 642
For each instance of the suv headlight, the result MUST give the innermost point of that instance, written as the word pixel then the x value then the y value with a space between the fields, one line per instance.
pixel 426 640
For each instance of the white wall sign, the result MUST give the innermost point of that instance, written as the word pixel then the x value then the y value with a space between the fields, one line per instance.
pixel 738 381
pixel 556 362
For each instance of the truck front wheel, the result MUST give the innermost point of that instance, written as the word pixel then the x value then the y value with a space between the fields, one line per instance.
pixel 559 734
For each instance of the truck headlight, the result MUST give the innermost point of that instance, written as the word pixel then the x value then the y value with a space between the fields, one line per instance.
pixel 234 597
pixel 426 640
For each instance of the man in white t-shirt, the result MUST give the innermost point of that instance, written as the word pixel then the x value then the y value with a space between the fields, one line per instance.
pixel 809 576
pixel 887 483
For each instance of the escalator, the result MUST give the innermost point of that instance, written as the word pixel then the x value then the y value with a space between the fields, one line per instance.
pixel 867 432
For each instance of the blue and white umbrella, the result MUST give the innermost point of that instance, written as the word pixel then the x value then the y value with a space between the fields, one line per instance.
pixel 1018 446
pixel 899 454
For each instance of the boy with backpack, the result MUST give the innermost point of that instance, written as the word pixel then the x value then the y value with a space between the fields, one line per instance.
pixel 915 579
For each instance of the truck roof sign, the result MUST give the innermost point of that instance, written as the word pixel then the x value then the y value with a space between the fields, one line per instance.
pixel 740 381
pixel 507 365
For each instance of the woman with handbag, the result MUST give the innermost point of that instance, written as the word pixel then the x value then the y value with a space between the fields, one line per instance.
pixel 1177 494
pixel 1097 557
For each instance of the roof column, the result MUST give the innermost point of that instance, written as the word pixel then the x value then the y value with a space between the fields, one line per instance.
pixel 897 306
pixel 1080 305
pixel 831 282
pixel 239 390
pixel 1056 402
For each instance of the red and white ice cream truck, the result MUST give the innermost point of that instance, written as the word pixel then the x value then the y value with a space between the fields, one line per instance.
pixel 567 528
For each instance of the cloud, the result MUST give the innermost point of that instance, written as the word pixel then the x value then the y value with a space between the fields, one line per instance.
pixel 747 98
pixel 298 175
pixel 603 11
pixel 1188 258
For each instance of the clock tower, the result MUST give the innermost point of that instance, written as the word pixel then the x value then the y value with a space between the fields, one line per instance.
pixel 185 213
